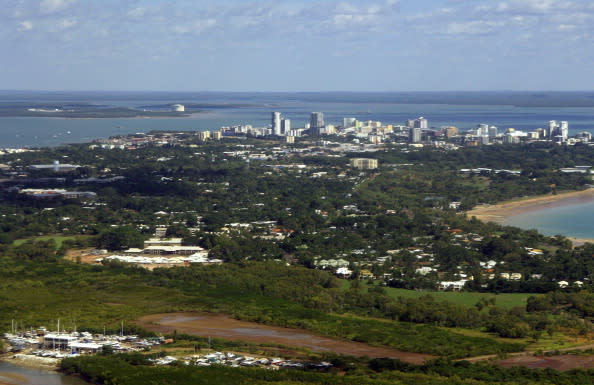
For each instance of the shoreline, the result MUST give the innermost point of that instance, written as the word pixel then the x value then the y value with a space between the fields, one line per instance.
pixel 31 362
pixel 500 212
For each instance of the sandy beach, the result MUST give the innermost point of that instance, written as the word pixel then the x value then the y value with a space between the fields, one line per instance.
pixel 500 212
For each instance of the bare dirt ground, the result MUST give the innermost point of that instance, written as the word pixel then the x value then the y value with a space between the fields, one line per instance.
pixel 81 255
pixel 223 326
pixel 561 362
pixel 567 361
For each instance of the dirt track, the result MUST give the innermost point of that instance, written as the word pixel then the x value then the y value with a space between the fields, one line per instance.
pixel 222 326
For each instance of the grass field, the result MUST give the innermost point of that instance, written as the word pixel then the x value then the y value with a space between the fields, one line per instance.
pixel 58 238
pixel 507 301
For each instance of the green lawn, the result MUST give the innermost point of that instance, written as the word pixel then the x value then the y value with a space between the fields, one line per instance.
pixel 508 301
pixel 465 298
pixel 58 238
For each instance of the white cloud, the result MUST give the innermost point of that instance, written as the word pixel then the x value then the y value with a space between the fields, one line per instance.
pixel 195 27
pixel 565 27
pixel 354 20
pixel 25 26
pixel 473 27
pixel 51 6
pixel 68 23
pixel 137 12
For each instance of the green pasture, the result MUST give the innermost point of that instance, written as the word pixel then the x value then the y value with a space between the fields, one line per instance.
pixel 59 239
pixel 505 300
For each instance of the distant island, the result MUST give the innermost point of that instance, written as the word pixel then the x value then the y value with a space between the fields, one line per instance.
pixel 84 110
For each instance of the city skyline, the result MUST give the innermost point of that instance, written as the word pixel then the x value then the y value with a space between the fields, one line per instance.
pixel 297 45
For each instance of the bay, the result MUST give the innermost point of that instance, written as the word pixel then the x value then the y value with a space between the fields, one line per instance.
pixel 41 131
pixel 573 220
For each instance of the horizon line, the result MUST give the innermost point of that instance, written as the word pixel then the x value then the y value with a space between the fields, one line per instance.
pixel 292 92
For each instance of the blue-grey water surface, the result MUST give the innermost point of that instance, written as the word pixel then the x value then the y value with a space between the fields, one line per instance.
pixel 12 374
pixel 36 132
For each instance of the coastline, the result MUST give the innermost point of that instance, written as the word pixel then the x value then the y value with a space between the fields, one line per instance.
pixel 499 213
pixel 31 362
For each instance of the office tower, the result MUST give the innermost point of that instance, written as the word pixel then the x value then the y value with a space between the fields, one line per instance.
pixel 450 131
pixel 414 135
pixel 564 129
pixel 420 123
pixel 276 123
pixel 482 130
pixel 285 126
pixel 492 132
pixel 349 122
pixel 316 123
pixel 552 128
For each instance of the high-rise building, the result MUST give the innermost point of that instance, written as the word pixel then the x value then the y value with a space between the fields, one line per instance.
pixel 276 123
pixel 551 129
pixel 421 123
pixel 349 122
pixel 316 123
pixel 450 131
pixel 559 130
pixel 492 132
pixel 564 129
pixel 414 135
pixel 329 129
pixel 482 130
pixel 285 126
pixel 364 163
pixel 204 135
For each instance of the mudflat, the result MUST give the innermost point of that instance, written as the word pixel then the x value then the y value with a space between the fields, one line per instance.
pixel 223 326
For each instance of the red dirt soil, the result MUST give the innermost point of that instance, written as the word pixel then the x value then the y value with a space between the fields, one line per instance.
pixel 560 362
pixel 222 326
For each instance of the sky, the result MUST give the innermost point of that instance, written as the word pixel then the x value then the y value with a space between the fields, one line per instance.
pixel 297 45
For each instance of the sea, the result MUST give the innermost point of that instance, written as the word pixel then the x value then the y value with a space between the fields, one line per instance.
pixel 573 220
pixel 465 110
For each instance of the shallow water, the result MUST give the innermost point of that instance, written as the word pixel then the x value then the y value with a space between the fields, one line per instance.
pixel 574 220
pixel 16 375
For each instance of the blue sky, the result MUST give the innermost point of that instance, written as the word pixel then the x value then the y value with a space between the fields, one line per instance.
pixel 297 45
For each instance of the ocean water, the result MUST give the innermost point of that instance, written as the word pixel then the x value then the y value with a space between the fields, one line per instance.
pixel 574 220
pixel 464 110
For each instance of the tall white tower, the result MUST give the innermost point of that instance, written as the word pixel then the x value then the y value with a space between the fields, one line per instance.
pixel 551 129
pixel 276 123
pixel 285 126
pixel 564 129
